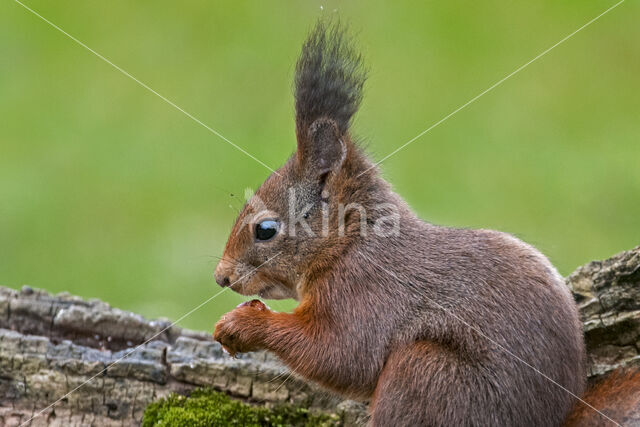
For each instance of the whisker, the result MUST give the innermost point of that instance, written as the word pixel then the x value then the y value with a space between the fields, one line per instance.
pixel 285 380
pixel 207 256
pixel 278 376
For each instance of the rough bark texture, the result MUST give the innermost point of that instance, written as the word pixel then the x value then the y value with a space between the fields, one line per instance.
pixel 50 345
pixel 608 295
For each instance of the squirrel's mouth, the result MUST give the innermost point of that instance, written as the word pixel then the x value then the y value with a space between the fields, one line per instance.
pixel 272 291
pixel 263 289
pixel 239 287
pixel 264 292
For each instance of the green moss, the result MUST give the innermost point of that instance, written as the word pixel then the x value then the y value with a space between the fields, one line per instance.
pixel 206 407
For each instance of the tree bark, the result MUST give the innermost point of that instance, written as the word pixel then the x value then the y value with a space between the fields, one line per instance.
pixel 51 345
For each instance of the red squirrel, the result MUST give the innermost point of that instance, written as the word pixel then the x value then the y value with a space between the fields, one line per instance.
pixel 432 325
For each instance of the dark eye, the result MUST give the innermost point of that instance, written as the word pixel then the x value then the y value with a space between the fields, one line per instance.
pixel 267 229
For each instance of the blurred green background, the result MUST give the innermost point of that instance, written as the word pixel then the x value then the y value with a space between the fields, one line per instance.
pixel 107 191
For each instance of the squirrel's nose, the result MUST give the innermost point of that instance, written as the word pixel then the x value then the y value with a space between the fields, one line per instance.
pixel 224 272
pixel 221 275
pixel 222 280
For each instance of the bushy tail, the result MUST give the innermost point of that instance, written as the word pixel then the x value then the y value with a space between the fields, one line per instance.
pixel 617 395
pixel 329 77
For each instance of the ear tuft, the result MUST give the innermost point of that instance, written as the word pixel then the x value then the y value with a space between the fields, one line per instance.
pixel 329 77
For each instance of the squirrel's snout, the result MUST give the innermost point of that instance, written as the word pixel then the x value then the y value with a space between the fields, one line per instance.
pixel 222 274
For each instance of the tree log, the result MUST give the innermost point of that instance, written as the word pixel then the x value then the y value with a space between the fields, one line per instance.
pixel 103 366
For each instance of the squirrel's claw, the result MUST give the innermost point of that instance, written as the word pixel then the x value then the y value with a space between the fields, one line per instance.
pixel 236 330
pixel 228 351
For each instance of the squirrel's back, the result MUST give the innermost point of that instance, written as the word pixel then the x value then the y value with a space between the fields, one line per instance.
pixel 493 303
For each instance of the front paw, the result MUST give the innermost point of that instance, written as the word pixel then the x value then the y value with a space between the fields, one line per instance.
pixel 241 330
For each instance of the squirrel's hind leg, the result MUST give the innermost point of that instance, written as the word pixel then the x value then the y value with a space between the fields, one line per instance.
pixel 425 384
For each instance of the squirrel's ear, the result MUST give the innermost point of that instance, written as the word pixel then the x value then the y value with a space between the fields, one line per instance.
pixel 321 148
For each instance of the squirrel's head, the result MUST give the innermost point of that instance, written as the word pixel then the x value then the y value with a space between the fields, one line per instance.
pixel 308 212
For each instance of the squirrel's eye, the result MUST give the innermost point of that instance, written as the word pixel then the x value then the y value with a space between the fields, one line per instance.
pixel 267 229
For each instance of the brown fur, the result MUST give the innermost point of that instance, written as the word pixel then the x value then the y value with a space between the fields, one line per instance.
pixel 386 319
pixel 617 395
